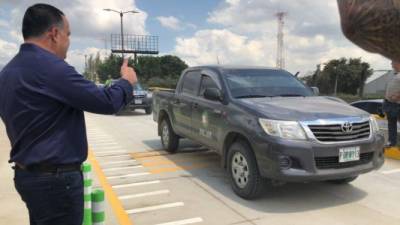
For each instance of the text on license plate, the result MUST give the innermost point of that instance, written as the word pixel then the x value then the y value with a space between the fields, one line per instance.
pixel 138 101
pixel 349 154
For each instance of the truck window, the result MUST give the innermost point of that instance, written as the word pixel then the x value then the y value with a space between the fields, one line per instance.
pixel 206 82
pixel 191 82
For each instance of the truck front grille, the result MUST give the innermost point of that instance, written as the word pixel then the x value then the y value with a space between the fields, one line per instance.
pixel 333 162
pixel 341 132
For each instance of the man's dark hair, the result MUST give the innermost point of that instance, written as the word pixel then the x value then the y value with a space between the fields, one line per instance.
pixel 39 18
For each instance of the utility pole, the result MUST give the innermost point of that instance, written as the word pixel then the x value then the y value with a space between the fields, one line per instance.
pixel 280 57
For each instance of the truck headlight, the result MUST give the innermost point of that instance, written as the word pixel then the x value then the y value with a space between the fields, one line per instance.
pixel 283 129
pixel 374 125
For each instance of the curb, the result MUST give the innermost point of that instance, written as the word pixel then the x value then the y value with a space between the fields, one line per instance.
pixel 393 153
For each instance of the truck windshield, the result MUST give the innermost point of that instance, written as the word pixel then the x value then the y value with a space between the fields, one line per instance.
pixel 258 83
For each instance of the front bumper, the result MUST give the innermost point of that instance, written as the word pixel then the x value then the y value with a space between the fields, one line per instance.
pixel 312 160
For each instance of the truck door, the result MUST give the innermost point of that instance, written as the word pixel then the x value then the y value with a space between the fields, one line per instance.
pixel 207 119
pixel 182 104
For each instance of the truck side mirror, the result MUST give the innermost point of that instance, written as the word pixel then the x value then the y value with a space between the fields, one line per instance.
pixel 315 90
pixel 213 94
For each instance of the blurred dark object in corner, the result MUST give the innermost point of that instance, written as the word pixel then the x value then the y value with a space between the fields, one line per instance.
pixel 373 25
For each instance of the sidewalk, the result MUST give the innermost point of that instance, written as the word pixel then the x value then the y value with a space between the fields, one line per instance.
pixel 13 210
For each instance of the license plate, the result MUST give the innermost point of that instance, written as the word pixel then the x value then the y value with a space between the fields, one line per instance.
pixel 349 154
pixel 138 101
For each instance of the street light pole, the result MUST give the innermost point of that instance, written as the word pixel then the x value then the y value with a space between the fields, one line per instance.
pixel 122 33
pixel 121 14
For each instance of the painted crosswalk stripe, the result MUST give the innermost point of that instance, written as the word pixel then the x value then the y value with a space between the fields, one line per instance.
pixel 105 145
pixel 136 184
pixel 118 162
pixel 153 208
pixel 146 194
pixel 122 168
pixel 115 156
pixel 391 171
pixel 106 148
pixel 128 175
pixel 107 152
pixel 184 222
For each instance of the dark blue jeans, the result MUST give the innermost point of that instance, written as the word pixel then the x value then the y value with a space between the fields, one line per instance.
pixel 392 111
pixel 51 198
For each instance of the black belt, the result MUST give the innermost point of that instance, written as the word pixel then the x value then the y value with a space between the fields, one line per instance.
pixel 48 168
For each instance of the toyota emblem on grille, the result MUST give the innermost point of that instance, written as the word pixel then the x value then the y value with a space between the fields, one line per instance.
pixel 347 127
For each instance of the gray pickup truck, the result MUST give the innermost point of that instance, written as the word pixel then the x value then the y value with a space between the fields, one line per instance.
pixel 267 125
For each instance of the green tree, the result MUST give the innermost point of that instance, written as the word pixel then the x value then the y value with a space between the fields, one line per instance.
pixel 161 71
pixel 342 75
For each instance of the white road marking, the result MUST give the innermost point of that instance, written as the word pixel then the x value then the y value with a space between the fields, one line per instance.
pixel 152 208
pixel 105 148
pixel 118 162
pixel 122 168
pixel 136 184
pixel 110 152
pixel 184 222
pixel 114 156
pixel 391 171
pixel 144 194
pixel 128 175
pixel 105 144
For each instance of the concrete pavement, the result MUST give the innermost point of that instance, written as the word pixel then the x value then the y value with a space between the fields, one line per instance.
pixel 147 186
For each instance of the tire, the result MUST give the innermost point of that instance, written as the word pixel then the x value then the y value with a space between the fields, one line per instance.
pixel 169 140
pixel 343 181
pixel 246 180
pixel 148 110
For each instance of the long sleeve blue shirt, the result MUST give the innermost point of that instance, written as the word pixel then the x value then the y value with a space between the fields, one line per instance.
pixel 42 104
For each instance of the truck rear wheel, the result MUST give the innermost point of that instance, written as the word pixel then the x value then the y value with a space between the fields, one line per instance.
pixel 169 139
pixel 148 110
pixel 246 180
pixel 343 180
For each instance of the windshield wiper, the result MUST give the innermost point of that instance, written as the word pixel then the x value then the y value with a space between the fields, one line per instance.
pixel 289 95
pixel 252 96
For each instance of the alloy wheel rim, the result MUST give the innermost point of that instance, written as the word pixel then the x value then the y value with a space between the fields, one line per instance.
pixel 240 170
pixel 165 135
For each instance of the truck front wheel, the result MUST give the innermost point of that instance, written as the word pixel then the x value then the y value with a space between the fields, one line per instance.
pixel 169 139
pixel 246 180
pixel 148 110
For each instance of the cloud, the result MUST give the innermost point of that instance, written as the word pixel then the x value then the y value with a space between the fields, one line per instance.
pixel 173 23
pixel 170 22
pixel 89 23
pixel 312 35
pixel 8 50
pixel 302 54
pixel 87 17
pixel 211 46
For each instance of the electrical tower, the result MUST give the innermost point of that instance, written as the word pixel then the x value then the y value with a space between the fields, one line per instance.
pixel 280 57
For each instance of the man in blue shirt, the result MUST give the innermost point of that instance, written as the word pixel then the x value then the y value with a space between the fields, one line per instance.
pixel 42 103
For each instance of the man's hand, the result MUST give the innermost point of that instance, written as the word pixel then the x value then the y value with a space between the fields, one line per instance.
pixel 128 73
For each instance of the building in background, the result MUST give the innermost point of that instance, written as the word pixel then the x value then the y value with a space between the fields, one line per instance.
pixel 376 83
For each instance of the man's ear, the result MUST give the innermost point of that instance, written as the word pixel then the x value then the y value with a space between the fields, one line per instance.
pixel 53 33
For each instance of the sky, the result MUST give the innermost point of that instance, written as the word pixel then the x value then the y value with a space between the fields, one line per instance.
pixel 239 32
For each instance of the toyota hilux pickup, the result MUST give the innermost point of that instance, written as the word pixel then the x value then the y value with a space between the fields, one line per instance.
pixel 268 126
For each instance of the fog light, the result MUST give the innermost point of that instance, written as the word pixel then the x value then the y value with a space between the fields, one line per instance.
pixel 285 162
